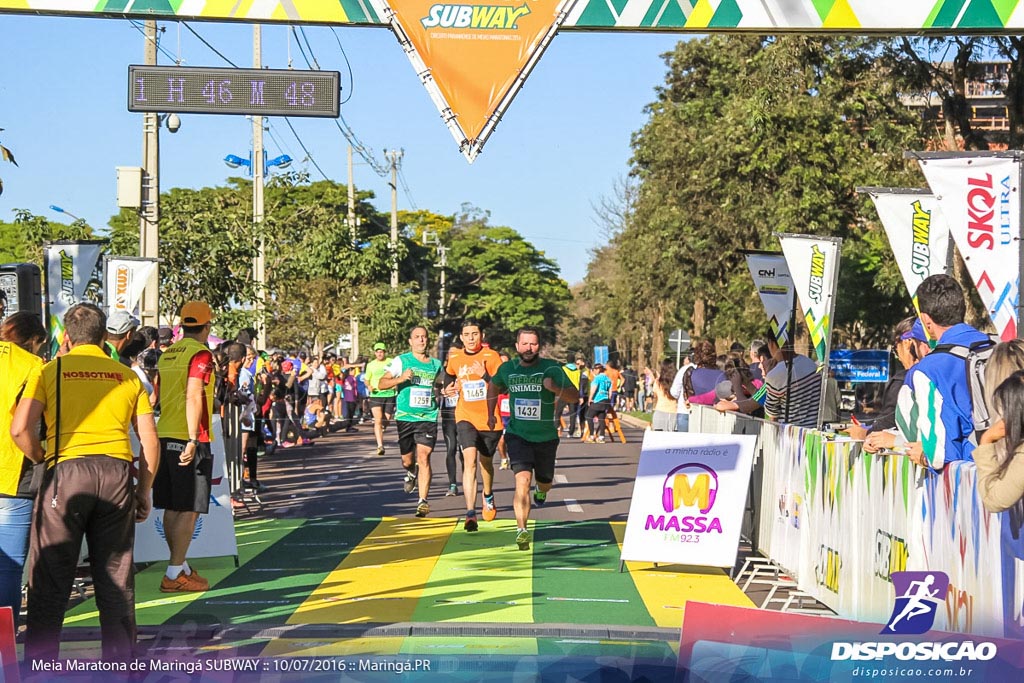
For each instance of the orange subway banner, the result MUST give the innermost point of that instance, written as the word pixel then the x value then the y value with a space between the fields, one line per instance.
pixel 476 55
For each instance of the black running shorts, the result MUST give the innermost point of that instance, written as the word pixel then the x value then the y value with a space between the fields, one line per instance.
pixel 412 433
pixel 183 489
pixel 485 442
pixel 526 456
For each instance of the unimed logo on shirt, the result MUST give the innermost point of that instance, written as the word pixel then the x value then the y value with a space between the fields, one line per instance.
pixel 91 375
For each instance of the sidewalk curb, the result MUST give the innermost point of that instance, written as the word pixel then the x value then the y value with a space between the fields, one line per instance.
pixel 634 421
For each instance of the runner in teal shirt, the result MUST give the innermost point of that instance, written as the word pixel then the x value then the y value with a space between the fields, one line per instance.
pixel 531 437
pixel 416 376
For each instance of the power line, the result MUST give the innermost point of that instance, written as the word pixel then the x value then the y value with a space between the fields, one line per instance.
pixel 204 42
pixel 167 54
pixel 405 189
pixel 348 65
pixel 303 146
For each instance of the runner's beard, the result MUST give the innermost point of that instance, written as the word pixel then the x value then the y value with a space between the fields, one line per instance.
pixel 528 357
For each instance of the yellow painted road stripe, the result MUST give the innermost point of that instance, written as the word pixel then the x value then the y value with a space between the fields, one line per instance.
pixel 383 578
pixel 666 588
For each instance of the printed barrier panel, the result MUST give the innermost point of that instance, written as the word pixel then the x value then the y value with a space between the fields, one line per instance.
pixel 215 531
pixel 842 522
pixel 688 498
pixel 725 643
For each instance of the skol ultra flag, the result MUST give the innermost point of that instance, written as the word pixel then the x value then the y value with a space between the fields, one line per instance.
pixel 979 195
pixel 813 265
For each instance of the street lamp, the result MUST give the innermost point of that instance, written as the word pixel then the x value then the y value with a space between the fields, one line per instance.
pixel 54 207
pixel 235 161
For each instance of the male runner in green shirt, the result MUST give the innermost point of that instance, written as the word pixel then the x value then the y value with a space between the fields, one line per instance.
pixel 417 378
pixel 382 401
pixel 531 437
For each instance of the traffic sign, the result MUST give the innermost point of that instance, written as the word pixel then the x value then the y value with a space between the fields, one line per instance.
pixel 679 340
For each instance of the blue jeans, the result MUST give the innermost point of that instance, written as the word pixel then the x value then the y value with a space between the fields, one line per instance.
pixel 15 519
pixel 682 422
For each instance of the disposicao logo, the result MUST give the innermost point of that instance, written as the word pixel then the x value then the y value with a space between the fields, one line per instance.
pixel 486 17
pixel 918 595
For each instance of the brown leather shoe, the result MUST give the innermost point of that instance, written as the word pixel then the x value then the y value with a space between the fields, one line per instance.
pixel 184 584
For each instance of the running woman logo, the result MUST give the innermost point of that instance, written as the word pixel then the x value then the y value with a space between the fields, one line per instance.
pixel 817 273
pixel 918 596
pixel 921 256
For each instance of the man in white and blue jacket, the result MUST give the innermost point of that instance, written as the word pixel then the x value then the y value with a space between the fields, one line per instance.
pixel 935 408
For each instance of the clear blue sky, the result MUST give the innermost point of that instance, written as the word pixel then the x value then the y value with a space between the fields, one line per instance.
pixel 558 150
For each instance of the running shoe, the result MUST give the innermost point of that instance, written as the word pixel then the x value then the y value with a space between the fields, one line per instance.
pixel 410 482
pixel 600 439
pixel 504 464
pixel 423 509
pixel 540 497
pixel 453 490
pixel 184 584
pixel 523 539
pixel 489 512
pixel 470 524
pixel 195 577
pixel 380 450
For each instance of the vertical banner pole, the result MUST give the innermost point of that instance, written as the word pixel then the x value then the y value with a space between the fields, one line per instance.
pixel 1020 244
pixel 791 343
pixel 831 326
pixel 46 301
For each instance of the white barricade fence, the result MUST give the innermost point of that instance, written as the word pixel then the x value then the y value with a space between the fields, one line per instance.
pixel 841 521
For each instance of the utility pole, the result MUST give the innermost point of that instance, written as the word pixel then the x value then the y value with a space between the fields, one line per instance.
pixel 442 299
pixel 353 319
pixel 395 156
pixel 256 164
pixel 149 213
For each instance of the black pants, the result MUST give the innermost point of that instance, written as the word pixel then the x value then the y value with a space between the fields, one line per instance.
pixel 597 412
pixel 251 454
pixel 451 445
pixel 95 499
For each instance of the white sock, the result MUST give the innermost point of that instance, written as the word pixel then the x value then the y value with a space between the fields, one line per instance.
pixel 173 570
pixel 185 568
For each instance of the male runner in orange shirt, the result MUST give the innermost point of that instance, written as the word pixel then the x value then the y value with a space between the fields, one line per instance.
pixel 467 375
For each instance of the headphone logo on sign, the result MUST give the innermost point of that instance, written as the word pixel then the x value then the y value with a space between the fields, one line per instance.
pixel 692 484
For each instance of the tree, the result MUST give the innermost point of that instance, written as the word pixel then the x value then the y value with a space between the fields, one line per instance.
pixel 502 280
pixel 750 136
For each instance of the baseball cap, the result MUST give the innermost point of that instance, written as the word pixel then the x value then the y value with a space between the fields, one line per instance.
pixel 380 346
pixel 724 390
pixel 121 322
pixel 196 313
pixel 916 332
pixel 165 335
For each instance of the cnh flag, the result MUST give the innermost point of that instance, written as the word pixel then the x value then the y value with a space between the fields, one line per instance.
pixel 979 194
pixel 775 287
pixel 473 58
pixel 124 279
pixel 813 265
pixel 68 267
pixel 917 232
